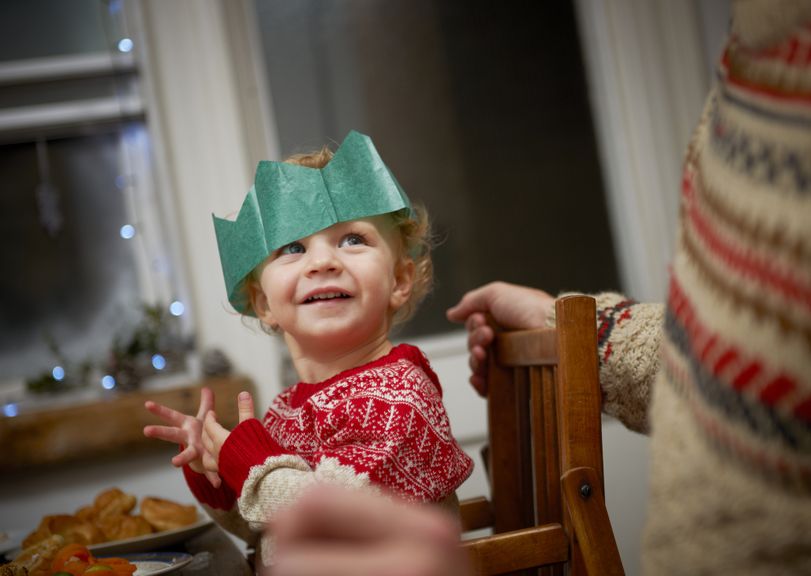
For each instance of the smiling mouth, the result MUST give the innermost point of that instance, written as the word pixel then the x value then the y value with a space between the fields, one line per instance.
pixel 326 296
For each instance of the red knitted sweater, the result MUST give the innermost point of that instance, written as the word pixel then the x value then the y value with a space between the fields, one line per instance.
pixel 382 423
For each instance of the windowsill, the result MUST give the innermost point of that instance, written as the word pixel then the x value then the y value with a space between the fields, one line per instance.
pixel 90 429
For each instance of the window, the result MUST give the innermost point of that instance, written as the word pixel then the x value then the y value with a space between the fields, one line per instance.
pixel 83 243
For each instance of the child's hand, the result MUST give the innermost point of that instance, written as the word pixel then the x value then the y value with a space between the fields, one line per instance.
pixel 214 435
pixel 186 431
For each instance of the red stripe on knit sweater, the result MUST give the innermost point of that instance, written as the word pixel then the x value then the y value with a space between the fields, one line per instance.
pixel 763 90
pixel 731 366
pixel 752 266
pixel 762 457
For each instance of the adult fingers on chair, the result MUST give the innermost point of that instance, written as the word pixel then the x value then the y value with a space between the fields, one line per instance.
pixel 512 306
pixel 477 360
pixel 480 338
pixel 479 383
pixel 474 321
pixel 478 300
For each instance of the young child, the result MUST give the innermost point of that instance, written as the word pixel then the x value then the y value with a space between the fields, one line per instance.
pixel 328 251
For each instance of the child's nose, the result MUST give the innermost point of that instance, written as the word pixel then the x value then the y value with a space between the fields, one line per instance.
pixel 323 258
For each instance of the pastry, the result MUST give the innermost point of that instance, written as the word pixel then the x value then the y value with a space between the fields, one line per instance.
pixel 122 526
pixel 165 515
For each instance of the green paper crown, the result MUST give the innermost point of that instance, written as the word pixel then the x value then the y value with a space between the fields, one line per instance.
pixel 288 202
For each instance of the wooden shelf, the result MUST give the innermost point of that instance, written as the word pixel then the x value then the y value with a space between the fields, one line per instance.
pixel 105 427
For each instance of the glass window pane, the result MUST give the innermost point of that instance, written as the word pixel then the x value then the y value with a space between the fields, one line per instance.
pixel 69 275
pixel 42 28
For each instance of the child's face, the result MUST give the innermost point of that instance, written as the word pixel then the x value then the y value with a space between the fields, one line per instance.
pixel 337 289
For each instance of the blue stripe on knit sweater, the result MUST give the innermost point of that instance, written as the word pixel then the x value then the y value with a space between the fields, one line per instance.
pixel 758 158
pixel 761 419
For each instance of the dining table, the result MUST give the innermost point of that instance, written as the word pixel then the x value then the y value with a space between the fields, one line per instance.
pixel 215 553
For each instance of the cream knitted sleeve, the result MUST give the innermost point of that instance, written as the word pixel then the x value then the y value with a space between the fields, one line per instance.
pixel 628 339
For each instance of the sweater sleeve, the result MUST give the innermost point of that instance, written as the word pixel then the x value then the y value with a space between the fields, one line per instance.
pixel 220 505
pixel 629 336
pixel 388 432
pixel 222 498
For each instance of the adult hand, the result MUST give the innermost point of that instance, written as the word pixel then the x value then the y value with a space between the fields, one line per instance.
pixel 185 430
pixel 332 531
pixel 215 435
pixel 511 306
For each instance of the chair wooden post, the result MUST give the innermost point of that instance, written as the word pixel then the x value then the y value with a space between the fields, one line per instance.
pixel 510 452
pixel 547 502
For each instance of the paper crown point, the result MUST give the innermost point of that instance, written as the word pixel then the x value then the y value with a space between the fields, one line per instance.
pixel 288 202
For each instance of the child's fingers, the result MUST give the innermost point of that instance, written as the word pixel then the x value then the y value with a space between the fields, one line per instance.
pixel 186 457
pixel 214 434
pixel 245 406
pixel 208 442
pixel 210 463
pixel 213 478
pixel 166 433
pixel 206 402
pixel 165 413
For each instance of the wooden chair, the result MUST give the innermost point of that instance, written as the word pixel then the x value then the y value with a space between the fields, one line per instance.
pixel 547 506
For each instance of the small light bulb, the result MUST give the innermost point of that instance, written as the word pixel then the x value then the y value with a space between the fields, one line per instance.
pixel 58 373
pixel 108 382
pixel 125 45
pixel 158 362
pixel 127 231
pixel 10 410
pixel 177 308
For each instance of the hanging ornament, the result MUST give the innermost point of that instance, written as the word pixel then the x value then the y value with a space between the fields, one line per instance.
pixel 47 195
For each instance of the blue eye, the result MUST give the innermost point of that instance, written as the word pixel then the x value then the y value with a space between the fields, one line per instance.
pixel 352 240
pixel 292 248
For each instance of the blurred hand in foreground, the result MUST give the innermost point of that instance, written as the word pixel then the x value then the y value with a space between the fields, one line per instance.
pixel 333 531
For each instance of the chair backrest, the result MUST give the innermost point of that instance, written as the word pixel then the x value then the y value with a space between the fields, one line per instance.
pixel 545 459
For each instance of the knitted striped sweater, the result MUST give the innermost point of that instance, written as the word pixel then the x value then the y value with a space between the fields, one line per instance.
pixel 729 378
pixel 381 425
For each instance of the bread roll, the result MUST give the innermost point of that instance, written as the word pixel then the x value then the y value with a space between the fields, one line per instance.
pixel 112 502
pixel 123 526
pixel 165 515
pixel 37 558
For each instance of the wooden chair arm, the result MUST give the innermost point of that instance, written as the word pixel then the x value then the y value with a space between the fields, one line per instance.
pixel 592 528
pixel 518 549
pixel 475 514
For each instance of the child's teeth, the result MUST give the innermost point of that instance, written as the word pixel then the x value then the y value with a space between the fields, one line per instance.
pixel 327 296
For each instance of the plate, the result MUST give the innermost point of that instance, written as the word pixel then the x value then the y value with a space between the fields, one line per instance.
pixel 11 539
pixel 154 563
pixel 148 542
